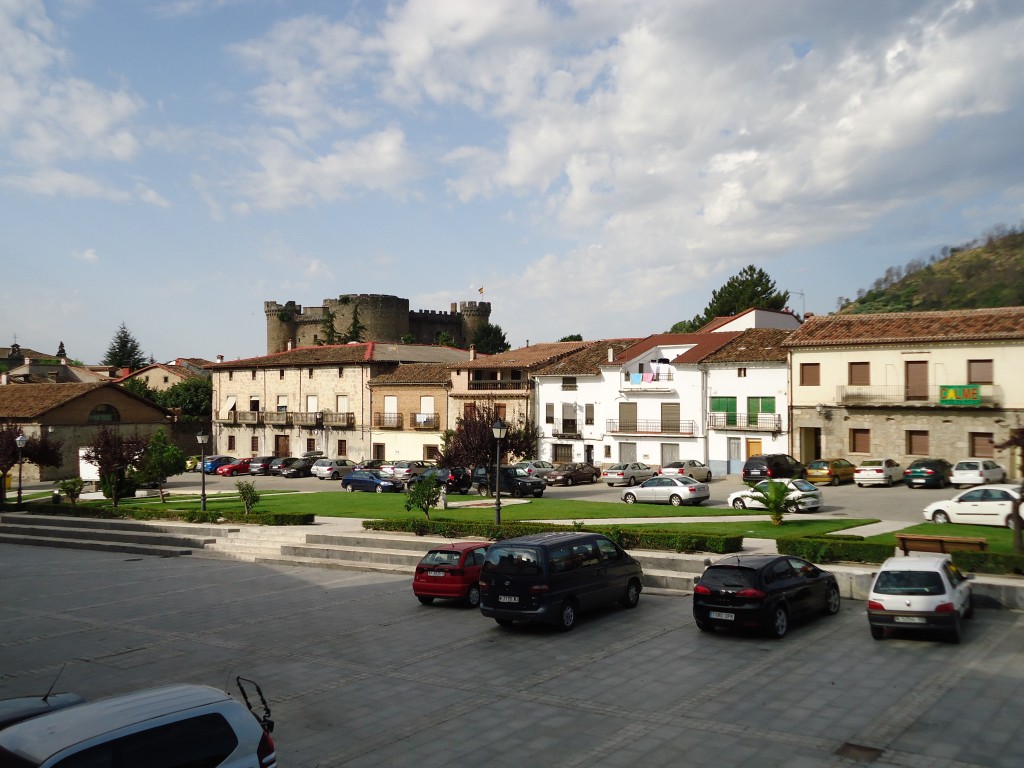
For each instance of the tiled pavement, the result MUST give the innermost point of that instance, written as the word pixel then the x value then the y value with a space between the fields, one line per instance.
pixel 360 674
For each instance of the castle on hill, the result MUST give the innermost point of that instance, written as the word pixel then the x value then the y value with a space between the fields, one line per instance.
pixel 386 318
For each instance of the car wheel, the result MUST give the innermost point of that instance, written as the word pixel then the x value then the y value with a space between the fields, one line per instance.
pixel 516 493
pixel 835 480
pixel 888 482
pixel 611 485
pixel 708 478
pixel 877 632
pixel 484 490
pixel 632 596
pixel 380 489
pixel 567 618
pixel 348 488
pixel 704 626
pixel 504 622
pixel 861 485
pixel 675 501
pixel 969 613
pixel 334 476
pixel 940 517
pixel 629 498
pixel 738 504
pixel 779 623
pixel 568 481
pixel 954 634
pixel 473 598
pixel 425 600
pixel 463 491
pixel 631 481
pixel 832 600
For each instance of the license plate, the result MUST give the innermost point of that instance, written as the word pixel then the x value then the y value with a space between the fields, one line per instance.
pixel 435 573
pixel 908 619
pixel 508 599
pixel 721 616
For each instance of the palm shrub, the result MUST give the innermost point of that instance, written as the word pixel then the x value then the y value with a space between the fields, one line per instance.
pixel 774 496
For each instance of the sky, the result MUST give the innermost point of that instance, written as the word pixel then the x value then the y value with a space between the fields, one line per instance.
pixel 595 166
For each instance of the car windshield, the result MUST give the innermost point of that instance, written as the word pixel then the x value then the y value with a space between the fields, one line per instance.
pixel 871 464
pixel 803 485
pixel 617 466
pixel 513 560
pixel 323 463
pixel 818 465
pixel 909 583
pixel 966 465
pixel 728 577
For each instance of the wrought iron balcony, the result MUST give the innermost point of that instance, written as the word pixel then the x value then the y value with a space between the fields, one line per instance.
pixel 387 420
pixel 425 420
pixel 901 395
pixel 753 422
pixel 652 427
pixel 567 428
pixel 339 420
pixel 500 386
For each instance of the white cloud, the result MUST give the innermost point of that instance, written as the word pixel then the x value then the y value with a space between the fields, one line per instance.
pixel 52 182
pixel 89 256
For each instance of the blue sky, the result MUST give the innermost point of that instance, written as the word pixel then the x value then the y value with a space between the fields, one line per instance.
pixel 597 167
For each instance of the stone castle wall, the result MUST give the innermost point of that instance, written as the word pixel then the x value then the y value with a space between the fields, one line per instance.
pixel 387 318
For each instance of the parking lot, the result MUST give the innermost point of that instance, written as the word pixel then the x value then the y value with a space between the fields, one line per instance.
pixel 358 673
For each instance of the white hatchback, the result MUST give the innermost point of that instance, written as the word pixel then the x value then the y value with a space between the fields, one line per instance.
pixel 923 592
pixel 976 472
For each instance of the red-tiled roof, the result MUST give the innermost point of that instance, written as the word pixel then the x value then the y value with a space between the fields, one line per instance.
pixel 586 360
pixel 753 345
pixel 348 354
pixel 703 345
pixel 526 357
pixel 25 402
pixel 999 323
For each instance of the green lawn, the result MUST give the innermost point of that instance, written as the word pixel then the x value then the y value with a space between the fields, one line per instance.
pixel 1000 540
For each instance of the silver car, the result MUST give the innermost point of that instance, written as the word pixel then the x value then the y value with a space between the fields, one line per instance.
pixel 627 473
pixel 690 467
pixel 676 491
pixel 333 469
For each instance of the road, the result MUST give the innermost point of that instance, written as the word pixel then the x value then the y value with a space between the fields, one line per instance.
pixel 358 673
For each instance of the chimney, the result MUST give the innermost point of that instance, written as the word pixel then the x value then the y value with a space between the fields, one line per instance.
pixel 125 372
pixel 63 361
pixel 472 351
pixel 611 355
pixel 3 379
pixel 220 358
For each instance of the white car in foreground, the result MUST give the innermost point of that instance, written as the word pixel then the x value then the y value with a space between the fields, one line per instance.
pixel 807 495
pixel 878 472
pixel 987 505
pixel 923 592
pixel 976 472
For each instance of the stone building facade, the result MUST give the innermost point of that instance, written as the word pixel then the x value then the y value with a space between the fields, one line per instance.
pixel 386 318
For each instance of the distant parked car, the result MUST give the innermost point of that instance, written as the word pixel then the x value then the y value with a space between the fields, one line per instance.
pixel 662 489
pixel 369 480
pixel 513 482
pixel 831 471
pixel 450 571
pixel 405 470
pixel 300 468
pixel 878 472
pixel 807 495
pixel 260 465
pixel 924 592
pixel 762 592
pixel 928 473
pixel 278 465
pixel 771 466
pixel 212 462
pixel 977 472
pixel 988 505
pixel 333 469
pixel 235 468
pixel 689 467
pixel 572 474
pixel 536 468
pixel 373 464
pixel 192 463
pixel 627 473
pixel 455 479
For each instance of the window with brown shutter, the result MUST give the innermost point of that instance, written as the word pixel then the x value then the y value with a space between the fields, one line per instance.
pixel 860 441
pixel 917 442
pixel 982 445
pixel 810 374
pixel 979 372
pixel 859 374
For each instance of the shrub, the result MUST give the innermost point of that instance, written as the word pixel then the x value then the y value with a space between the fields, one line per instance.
pixel 989 562
pixel 72 488
pixel 834 549
pixel 247 492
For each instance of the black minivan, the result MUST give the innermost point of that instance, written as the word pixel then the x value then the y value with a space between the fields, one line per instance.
pixel 771 466
pixel 552 577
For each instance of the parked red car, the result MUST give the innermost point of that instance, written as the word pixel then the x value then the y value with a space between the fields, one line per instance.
pixel 450 571
pixel 235 468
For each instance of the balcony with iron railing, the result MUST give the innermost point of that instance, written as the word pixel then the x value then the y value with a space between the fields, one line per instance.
pixel 990 395
pixel 661 381
pixel 344 420
pixel 425 420
pixel 567 428
pixel 388 421
pixel 753 422
pixel 652 427
pixel 513 385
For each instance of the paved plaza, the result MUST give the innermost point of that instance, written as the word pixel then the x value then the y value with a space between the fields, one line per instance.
pixel 358 673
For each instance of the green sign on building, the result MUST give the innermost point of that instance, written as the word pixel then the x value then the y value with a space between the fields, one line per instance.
pixel 960 394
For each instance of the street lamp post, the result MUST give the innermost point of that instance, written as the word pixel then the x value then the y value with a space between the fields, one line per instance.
pixel 20 440
pixel 202 438
pixel 500 429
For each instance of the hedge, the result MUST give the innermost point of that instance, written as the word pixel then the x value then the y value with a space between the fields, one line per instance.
pixel 989 562
pixel 209 517
pixel 834 549
pixel 627 539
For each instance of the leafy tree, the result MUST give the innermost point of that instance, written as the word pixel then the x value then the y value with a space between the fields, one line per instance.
pixel 423 495
pixel 752 288
pixel 124 351
pixel 327 330
pixel 41 451
pixel 473 444
pixel 489 339
pixel 775 498
pixel 1016 440
pixel 72 488
pixel 572 337
pixel 141 389
pixel 193 398
pixel 115 455
pixel 248 494
pixel 445 339
pixel 160 460
pixel 355 329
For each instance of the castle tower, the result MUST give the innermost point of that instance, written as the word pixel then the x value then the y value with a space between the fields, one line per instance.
pixel 475 315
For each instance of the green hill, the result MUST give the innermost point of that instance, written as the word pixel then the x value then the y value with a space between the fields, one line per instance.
pixel 970 277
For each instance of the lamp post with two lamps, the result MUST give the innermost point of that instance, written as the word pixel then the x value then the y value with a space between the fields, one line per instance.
pixel 202 439
pixel 500 429
pixel 20 441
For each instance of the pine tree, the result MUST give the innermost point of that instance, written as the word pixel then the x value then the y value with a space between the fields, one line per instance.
pixel 330 334
pixel 490 340
pixel 752 288
pixel 124 351
pixel 355 329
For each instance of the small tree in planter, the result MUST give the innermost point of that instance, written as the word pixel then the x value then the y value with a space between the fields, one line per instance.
pixel 247 493
pixel 775 498
pixel 424 494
